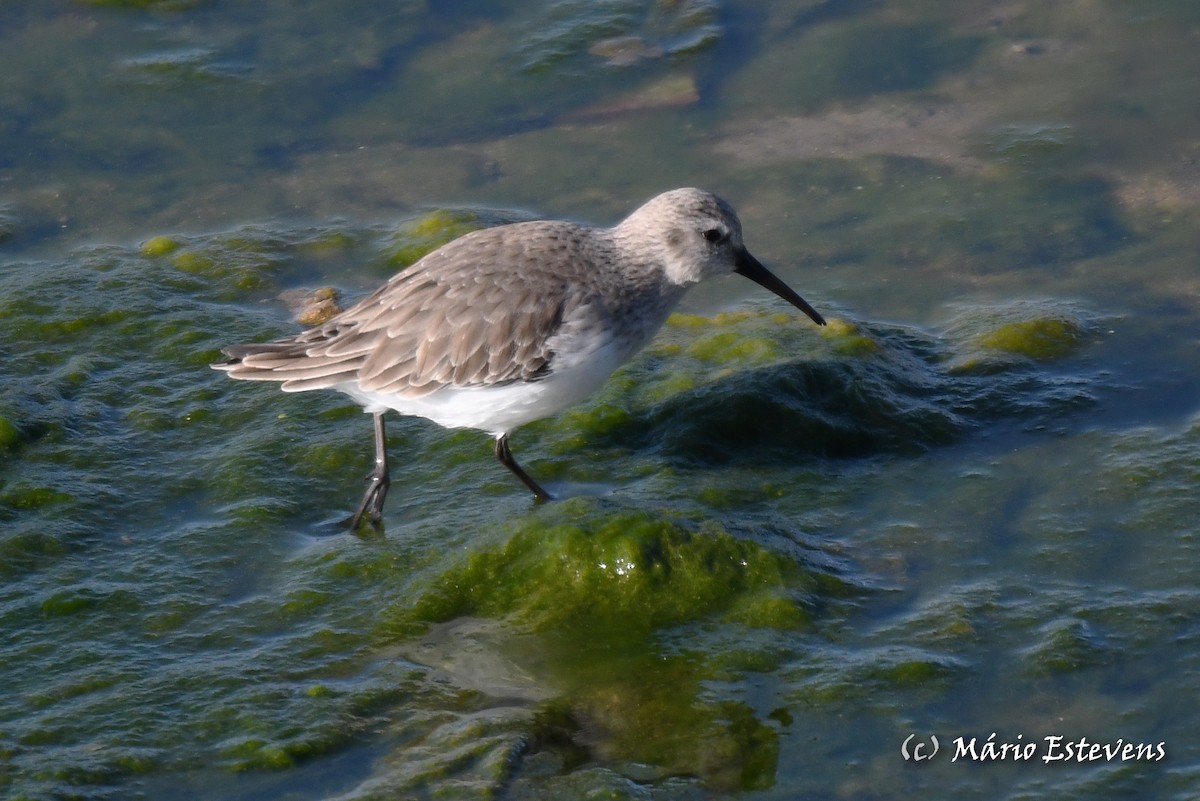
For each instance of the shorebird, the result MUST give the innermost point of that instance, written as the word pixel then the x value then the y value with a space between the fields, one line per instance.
pixel 511 324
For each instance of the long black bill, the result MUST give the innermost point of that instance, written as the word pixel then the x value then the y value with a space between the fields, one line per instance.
pixel 752 268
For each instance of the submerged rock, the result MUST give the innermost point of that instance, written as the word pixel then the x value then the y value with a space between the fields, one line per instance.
pixel 1046 338
pixel 160 246
pixel 992 338
pixel 761 387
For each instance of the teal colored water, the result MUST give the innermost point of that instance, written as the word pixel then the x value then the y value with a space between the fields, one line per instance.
pixel 788 556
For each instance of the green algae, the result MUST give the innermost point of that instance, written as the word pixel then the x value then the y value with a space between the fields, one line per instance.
pixel 890 672
pixel 598 423
pixel 1037 339
pixel 29 498
pixel 614 572
pixel 741 339
pixel 304 602
pixel 768 610
pixel 652 709
pixel 733 346
pixel 427 233
pixel 911 673
pixel 68 603
pixel 253 752
pixel 850 339
pixel 729 495
pixel 753 385
pixel 1065 646
pixel 210 267
pixel 326 242
pixel 160 246
pixel 724 744
pixel 10 434
pixel 988 338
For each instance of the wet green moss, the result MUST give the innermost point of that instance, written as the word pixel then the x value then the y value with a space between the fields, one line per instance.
pixel 884 672
pixel 418 237
pixel 29 498
pixel 253 752
pixel 734 663
pixel 10 435
pixel 1041 339
pixel 326 242
pixel 996 338
pixel 229 269
pixel 1064 647
pixel 733 346
pixel 727 494
pixel 67 603
pixel 768 611
pixel 319 459
pixel 615 572
pixel 288 744
pixel 160 246
pixel 746 338
pixel 304 602
pixel 751 386
pixel 73 326
pixel 21 551
pixel 651 708
pixel 849 339
pixel 211 268
pixel 911 673
pixel 136 761
pixel 591 425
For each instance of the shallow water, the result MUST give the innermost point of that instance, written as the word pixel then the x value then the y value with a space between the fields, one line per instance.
pixel 966 508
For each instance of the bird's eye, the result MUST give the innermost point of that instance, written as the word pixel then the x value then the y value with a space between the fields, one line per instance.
pixel 714 235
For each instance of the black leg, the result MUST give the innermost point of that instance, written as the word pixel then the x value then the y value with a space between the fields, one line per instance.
pixel 506 458
pixel 378 482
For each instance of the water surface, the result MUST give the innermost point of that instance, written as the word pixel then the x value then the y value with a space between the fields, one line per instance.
pixel 966 508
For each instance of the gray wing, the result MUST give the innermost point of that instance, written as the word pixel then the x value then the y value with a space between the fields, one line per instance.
pixel 476 312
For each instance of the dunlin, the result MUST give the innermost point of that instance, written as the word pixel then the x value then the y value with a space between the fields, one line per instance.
pixel 511 324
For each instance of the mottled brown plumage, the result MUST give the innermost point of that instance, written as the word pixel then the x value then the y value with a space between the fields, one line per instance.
pixel 511 324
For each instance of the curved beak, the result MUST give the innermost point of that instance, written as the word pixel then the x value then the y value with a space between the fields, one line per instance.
pixel 753 269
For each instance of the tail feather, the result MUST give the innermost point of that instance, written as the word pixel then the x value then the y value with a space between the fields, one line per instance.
pixel 286 362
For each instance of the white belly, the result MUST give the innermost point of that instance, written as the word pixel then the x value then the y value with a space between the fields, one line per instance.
pixel 499 409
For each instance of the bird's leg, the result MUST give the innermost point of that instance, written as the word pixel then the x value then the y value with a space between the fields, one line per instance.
pixel 506 458
pixel 378 482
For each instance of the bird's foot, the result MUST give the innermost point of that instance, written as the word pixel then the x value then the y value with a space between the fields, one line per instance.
pixel 371 507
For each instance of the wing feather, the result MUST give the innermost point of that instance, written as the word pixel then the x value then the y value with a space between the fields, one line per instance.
pixel 478 311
